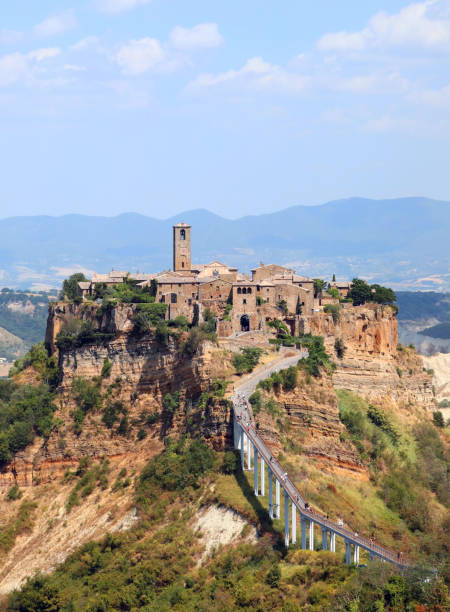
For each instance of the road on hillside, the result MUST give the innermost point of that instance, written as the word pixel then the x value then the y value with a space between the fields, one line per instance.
pixel 248 385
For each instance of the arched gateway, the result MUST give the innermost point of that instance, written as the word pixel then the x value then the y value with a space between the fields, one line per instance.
pixel 245 323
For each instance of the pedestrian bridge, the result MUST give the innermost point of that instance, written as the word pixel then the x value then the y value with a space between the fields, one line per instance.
pixel 257 457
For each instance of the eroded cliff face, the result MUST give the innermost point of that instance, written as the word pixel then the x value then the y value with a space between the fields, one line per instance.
pixel 371 365
pixel 305 421
pixel 142 373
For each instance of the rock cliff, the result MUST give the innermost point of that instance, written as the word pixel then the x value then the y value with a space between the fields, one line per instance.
pixel 372 365
pixel 305 421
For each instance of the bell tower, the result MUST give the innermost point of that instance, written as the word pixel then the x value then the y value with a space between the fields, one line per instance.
pixel 182 247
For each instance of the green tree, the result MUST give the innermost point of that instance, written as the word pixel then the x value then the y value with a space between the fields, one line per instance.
pixel 70 285
pixel 319 286
pixel 382 295
pixel 360 292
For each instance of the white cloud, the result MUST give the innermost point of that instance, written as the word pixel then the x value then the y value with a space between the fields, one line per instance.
pixel 118 6
pixel 74 68
pixel 256 74
pixel 201 36
pixel 387 124
pixel 433 97
pixel 139 56
pixel 56 24
pixel 421 24
pixel 84 43
pixel 12 68
pixel 42 54
pixel 10 37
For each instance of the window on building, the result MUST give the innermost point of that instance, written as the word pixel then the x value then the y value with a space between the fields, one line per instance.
pixel 239 290
pixel 182 264
pixel 249 290
pixel 189 301
pixel 182 234
pixel 173 298
pixel 244 301
pixel 244 290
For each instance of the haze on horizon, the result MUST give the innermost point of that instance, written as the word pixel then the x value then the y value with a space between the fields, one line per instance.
pixel 157 107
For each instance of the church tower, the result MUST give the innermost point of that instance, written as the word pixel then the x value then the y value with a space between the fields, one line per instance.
pixel 181 247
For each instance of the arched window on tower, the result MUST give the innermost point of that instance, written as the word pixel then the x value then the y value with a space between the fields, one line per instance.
pixel 182 234
pixel 239 290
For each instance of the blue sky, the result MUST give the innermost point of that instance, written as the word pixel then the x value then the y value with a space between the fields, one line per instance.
pixel 158 106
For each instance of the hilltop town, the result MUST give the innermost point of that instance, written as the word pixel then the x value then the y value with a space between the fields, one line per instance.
pixel 241 303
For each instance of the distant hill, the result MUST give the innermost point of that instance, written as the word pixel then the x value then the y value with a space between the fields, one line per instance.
pixel 401 242
pixel 23 317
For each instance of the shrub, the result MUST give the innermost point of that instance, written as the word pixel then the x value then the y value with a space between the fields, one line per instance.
pixel 334 310
pixel 14 493
pixel 229 462
pixel 148 316
pixel 317 355
pixel 37 357
pixel 179 466
pixel 88 398
pixel 247 360
pixel 438 418
pixel 339 348
pixel 333 292
pixel 255 400
pixel 273 576
pixel 106 369
pixel 79 333
pixel 379 418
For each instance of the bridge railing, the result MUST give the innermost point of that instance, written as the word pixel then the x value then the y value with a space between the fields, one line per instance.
pixel 299 501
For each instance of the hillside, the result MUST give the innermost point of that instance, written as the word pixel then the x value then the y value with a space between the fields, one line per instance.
pixel 23 316
pixel 355 237
pixel 132 436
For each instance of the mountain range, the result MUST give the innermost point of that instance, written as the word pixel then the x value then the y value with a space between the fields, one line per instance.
pixel 401 242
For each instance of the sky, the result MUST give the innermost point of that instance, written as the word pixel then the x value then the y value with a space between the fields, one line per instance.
pixel 238 106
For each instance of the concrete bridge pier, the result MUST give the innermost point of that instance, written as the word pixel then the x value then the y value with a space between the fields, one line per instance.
pixel 311 535
pixel 263 476
pixel 286 518
pixel 255 471
pixel 242 449
pixel 371 556
pixel 303 528
pixel 348 552
pixel 324 538
pixel 356 554
pixel 249 454
pixel 277 498
pixel 270 477
pixel 294 523
pixel 332 541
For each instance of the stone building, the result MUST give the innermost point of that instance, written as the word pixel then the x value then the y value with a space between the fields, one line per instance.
pixel 240 303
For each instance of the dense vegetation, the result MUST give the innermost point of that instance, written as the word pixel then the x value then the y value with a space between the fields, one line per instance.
pixel 361 292
pixel 25 411
pixel 153 566
pixel 410 467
